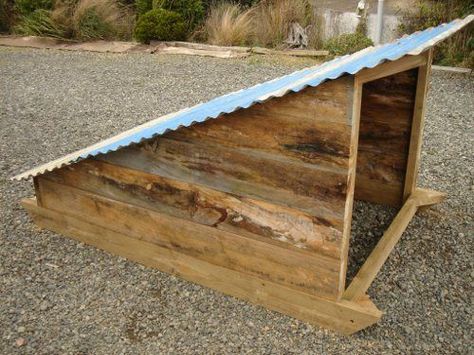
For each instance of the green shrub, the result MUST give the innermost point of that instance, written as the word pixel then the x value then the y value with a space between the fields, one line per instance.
pixel 38 23
pixel 143 6
pixel 26 7
pixel 456 50
pixel 192 11
pixel 347 43
pixel 161 25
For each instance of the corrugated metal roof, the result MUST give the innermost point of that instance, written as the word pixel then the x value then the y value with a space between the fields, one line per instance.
pixel 351 64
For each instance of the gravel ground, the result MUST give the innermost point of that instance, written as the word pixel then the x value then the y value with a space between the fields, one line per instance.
pixel 58 296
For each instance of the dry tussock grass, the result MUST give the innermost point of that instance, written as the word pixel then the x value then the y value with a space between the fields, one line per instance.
pixel 229 25
pixel 274 18
pixel 94 19
pixel 266 24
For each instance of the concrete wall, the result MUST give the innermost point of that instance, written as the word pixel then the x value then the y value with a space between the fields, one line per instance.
pixel 338 22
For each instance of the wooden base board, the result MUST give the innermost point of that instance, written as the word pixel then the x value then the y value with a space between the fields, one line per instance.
pixel 343 316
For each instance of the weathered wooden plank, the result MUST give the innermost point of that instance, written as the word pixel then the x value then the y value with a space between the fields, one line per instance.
pixel 295 268
pixel 290 52
pixel 37 191
pixel 384 138
pixel 317 192
pixel 310 140
pixel 381 168
pixel 230 212
pixel 327 102
pixel 343 316
pixel 250 166
pixel 355 113
pixel 312 126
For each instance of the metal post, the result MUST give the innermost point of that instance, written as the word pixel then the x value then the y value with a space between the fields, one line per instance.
pixel 379 28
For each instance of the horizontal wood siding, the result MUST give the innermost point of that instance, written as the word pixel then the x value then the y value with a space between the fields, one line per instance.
pixel 296 268
pixel 384 137
pixel 257 219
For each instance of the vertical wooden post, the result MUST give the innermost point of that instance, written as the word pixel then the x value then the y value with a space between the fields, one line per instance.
pixel 416 135
pixel 346 236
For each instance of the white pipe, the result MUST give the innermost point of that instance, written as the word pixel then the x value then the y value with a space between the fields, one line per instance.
pixel 379 28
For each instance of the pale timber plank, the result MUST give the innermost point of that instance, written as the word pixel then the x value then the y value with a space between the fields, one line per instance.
pixel 351 178
pixel 389 68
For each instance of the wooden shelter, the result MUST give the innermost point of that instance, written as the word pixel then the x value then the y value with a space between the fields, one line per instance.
pixel 251 193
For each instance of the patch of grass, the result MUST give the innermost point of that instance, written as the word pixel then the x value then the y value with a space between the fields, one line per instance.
pixel 347 43
pixel 38 23
pixel 229 25
pixel 79 19
pixel 97 19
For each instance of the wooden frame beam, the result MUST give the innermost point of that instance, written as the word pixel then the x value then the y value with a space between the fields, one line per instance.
pixel 375 261
pixel 389 68
pixel 416 135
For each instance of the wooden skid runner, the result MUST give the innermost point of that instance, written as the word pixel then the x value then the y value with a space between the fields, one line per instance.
pixel 343 316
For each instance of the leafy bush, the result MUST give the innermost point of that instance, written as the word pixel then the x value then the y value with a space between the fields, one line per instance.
pixel 347 43
pixel 192 11
pixel 456 50
pixel 228 25
pixel 161 25
pixel 38 23
pixel 143 6
pixel 26 7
